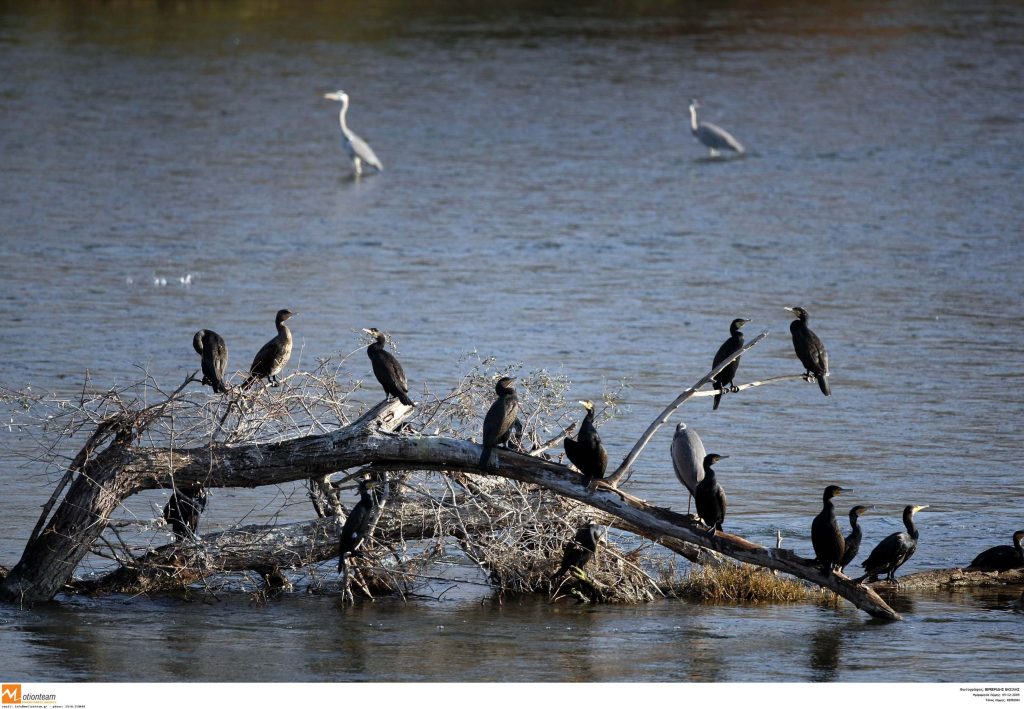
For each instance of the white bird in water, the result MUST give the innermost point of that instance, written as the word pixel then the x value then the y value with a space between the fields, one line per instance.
pixel 357 148
pixel 712 136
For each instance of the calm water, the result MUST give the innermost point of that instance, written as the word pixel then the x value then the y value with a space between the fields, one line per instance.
pixel 543 202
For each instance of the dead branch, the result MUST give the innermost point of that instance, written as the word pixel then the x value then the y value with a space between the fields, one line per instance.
pixel 663 418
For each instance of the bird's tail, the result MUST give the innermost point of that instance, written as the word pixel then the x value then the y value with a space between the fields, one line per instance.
pixel 823 385
pixel 404 398
pixel 484 458
pixel 718 396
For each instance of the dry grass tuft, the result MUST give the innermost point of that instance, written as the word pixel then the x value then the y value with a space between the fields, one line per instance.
pixel 741 583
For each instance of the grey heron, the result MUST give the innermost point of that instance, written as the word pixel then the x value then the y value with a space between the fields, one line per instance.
pixel 713 137
pixel 688 458
pixel 357 148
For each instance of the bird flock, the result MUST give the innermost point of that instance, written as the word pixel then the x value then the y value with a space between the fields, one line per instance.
pixel 692 464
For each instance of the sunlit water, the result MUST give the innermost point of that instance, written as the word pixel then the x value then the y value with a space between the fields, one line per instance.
pixel 542 202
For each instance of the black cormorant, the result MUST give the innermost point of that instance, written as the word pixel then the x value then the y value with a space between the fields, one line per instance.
pixel 387 369
pixel 499 419
pixel 274 355
pixel 214 353
pixel 828 541
pixel 586 452
pixel 893 551
pixel 357 524
pixel 854 537
pixel 810 349
pixel 579 550
pixel 724 379
pixel 183 509
pixel 709 496
pixel 1002 557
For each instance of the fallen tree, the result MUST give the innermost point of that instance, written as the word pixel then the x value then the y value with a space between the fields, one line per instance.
pixel 511 520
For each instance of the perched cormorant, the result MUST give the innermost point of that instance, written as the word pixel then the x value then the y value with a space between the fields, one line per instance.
pixel 688 458
pixel 183 509
pixel 714 138
pixel 214 353
pixel 387 369
pixel 499 419
pixel 357 524
pixel 725 378
pixel 810 349
pixel 854 537
pixel 893 551
pixel 710 497
pixel 273 356
pixel 829 545
pixel 1002 557
pixel 586 452
pixel 579 550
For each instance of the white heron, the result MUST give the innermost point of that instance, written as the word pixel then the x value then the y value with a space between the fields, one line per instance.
pixel 357 148
pixel 713 137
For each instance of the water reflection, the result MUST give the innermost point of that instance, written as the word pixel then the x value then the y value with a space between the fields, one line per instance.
pixel 826 645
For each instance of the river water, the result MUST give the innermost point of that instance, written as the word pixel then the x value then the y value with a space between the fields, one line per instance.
pixel 172 167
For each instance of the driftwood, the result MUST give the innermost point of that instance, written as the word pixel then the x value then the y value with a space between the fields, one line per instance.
pixel 123 469
pixel 952 578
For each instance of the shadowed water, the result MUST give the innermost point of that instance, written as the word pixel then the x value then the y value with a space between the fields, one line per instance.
pixel 542 202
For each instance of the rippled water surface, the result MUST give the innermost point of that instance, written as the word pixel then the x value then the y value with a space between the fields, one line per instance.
pixel 174 167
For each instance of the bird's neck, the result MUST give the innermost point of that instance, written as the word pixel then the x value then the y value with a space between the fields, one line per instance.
pixel 341 116
pixel 854 524
pixel 693 117
pixel 283 331
pixel 377 345
pixel 908 521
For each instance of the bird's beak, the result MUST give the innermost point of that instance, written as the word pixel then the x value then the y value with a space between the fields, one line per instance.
pixel 722 457
pixel 332 96
pixel 746 320
pixel 918 508
pixel 792 310
pixel 367 331
pixel 841 490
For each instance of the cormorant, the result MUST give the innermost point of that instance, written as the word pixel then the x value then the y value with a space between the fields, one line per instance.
pixel 273 356
pixel 726 376
pixel 387 369
pixel 586 452
pixel 1002 557
pixel 810 349
pixel 357 524
pixel 829 545
pixel 214 353
pixel 499 419
pixel 183 509
pixel 579 550
pixel 714 138
pixel 854 537
pixel 893 551
pixel 710 497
